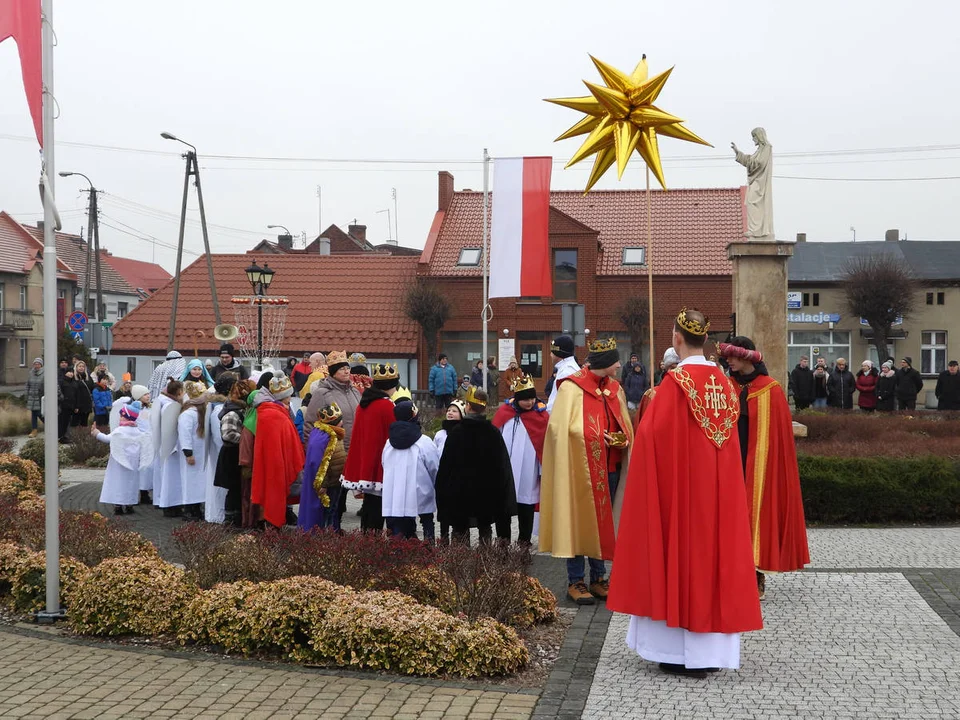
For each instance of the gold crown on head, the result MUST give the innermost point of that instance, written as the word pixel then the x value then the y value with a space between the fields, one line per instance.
pixel 386 371
pixel 524 382
pixel 337 357
pixel 329 414
pixel 472 398
pixel 599 346
pixel 279 384
pixel 194 389
pixel 694 327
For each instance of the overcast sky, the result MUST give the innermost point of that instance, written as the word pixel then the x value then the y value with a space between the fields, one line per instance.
pixel 436 82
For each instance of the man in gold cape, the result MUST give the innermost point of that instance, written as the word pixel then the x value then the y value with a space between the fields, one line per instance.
pixel 583 456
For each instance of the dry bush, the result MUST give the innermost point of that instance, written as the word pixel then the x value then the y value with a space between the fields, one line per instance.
pixel 14 419
pixel 847 434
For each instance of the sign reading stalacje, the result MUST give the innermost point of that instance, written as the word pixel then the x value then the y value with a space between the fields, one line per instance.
pixel 819 318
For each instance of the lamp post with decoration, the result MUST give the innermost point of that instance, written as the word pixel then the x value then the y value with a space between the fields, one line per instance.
pixel 260 279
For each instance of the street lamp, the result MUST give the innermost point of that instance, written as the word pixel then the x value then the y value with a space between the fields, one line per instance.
pixel 93 244
pixel 279 227
pixel 260 279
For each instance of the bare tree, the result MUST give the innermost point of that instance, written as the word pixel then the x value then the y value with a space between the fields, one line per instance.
pixel 880 289
pixel 632 313
pixel 428 307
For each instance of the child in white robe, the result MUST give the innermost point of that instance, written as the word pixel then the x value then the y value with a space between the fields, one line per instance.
pixel 410 464
pixel 192 445
pixel 130 452
pixel 168 492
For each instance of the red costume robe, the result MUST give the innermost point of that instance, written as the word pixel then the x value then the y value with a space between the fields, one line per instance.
pixel 777 524
pixel 534 422
pixel 363 470
pixel 576 510
pixel 683 551
pixel 277 460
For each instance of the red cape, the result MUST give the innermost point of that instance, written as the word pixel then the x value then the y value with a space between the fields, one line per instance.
pixel 683 549
pixel 371 428
pixel 534 422
pixel 777 524
pixel 277 460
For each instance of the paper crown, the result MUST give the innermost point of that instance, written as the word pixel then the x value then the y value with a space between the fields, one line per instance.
pixel 279 385
pixel 194 389
pixel 330 414
pixel 472 398
pixel 386 371
pixel 600 346
pixel 358 358
pixel 459 405
pixel 337 357
pixel 524 382
pixel 694 327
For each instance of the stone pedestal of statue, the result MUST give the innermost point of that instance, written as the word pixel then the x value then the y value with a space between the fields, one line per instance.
pixel 760 299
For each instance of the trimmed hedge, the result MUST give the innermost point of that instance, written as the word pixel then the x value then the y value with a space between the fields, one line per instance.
pixel 862 490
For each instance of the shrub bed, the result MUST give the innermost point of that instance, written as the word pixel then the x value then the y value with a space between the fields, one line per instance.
pixel 33 450
pixel 858 434
pixel 26 471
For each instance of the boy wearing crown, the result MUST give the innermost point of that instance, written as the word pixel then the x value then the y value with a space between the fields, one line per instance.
pixel 584 451
pixel 363 471
pixel 683 568
pixel 522 421
pixel 277 451
pixel 410 463
pixel 325 456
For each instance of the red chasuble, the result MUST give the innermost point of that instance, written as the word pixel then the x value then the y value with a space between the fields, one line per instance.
pixel 371 427
pixel 683 550
pixel 777 524
pixel 277 460
pixel 534 422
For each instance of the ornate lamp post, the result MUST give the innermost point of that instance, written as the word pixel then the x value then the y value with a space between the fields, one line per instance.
pixel 260 279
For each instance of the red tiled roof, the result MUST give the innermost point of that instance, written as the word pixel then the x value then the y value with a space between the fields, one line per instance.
pixel 139 274
pixel 73 250
pixel 690 229
pixel 20 249
pixel 351 302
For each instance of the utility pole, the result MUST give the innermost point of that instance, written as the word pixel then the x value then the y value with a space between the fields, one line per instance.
pixel 396 225
pixel 319 211
pixel 96 250
pixel 91 214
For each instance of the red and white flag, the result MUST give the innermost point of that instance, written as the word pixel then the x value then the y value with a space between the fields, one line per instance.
pixel 20 20
pixel 520 228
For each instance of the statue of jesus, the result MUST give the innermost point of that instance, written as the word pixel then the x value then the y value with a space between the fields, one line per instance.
pixel 759 186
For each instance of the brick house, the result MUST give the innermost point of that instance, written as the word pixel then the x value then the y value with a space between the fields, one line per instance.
pixel 598 252
pixel 332 241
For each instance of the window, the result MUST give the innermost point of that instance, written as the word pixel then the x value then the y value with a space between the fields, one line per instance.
pixel 132 367
pixel 939 298
pixel 91 308
pixel 464 348
pixel 157 363
pixel 634 255
pixel 929 298
pixel 933 351
pixel 811 299
pixel 816 299
pixel 1 303
pixel 828 344
pixel 806 299
pixel 121 310
pixel 530 356
pixel 565 275
pixel 23 297
pixel 23 353
pixel 469 257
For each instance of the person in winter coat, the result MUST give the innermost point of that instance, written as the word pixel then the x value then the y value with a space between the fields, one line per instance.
pixel 886 388
pixel 228 363
pixel 509 376
pixel 634 386
pixel 67 387
pixel 227 475
pixel 102 403
pixel 948 387
pixel 802 384
pixel 840 386
pixel 493 381
pixel 867 386
pixel 337 388
pixel 442 381
pixel 84 403
pixel 101 370
pixel 34 392
pixel 410 462
pixel 820 376
pixel 323 466
pixel 909 385
pixel 476 375
pixel 301 371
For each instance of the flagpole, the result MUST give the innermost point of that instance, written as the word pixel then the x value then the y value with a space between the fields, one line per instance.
pixel 649 259
pixel 50 329
pixel 485 313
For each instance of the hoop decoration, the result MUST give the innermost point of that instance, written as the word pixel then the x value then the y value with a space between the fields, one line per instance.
pixel 271 311
pixel 259 300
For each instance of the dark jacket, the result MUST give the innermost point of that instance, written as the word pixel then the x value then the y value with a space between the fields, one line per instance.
pixel 948 391
pixel 909 384
pixel 820 383
pixel 235 367
pixel 84 394
pixel 886 392
pixel 867 385
pixel 476 377
pixel 68 394
pixel 840 387
pixel 635 385
pixel 802 386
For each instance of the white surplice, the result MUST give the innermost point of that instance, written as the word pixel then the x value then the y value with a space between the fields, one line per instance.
pixel 409 476
pixel 215 497
pixel 523 460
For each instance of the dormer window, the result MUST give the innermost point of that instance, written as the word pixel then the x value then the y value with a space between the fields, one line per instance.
pixel 469 257
pixel 634 256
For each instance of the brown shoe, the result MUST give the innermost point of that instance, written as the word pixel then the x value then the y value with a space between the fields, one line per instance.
pixel 33 433
pixel 761 584
pixel 579 594
pixel 600 588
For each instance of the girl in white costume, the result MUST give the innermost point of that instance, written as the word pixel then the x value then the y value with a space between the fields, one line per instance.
pixel 192 448
pixel 130 452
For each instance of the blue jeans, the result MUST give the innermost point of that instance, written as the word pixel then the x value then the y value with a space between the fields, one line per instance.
pixel 598 568
pixel 820 402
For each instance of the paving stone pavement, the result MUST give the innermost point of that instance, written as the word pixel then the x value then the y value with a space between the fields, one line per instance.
pixel 937 547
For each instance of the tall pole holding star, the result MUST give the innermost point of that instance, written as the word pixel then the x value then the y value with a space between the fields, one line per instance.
pixel 620 119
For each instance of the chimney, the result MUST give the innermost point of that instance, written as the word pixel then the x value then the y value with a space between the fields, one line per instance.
pixel 801 237
pixel 324 245
pixel 446 190
pixel 892 236
pixel 359 232
pixel 39 224
pixel 285 242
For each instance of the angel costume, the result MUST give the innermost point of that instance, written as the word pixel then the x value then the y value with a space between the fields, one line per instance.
pixel 130 452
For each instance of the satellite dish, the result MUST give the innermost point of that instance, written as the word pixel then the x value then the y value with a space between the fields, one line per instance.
pixel 225 332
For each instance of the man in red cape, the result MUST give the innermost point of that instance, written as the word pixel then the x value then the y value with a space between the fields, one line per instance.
pixel 683 568
pixel 769 457
pixel 277 453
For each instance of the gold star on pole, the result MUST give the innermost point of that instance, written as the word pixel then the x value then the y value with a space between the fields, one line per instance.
pixel 620 117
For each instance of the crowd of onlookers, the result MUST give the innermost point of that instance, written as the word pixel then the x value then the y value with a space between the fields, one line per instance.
pixel 884 390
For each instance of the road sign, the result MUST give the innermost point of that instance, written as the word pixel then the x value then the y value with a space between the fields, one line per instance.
pixel 77 320
pixel 107 324
pixel 78 336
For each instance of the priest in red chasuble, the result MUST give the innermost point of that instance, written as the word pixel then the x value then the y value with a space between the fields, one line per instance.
pixel 683 568
pixel 769 458
pixel 584 451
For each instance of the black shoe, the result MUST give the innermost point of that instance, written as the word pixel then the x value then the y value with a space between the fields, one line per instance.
pixel 710 670
pixel 145 497
pixel 291 517
pixel 675 669
pixel 128 509
pixel 118 509
pixel 171 512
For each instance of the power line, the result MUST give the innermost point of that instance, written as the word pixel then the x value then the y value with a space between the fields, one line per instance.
pixel 143 236
pixel 827 179
pixel 157 213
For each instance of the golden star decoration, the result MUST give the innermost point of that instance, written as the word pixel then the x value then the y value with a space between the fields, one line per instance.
pixel 620 117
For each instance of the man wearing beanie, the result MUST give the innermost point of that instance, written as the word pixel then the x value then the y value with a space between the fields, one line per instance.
pixel 363 471
pixel 909 385
pixel 564 363
pixel 228 363
pixel 584 452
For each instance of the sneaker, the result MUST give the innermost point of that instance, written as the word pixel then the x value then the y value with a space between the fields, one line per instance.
pixel 761 585
pixel 579 593
pixel 600 588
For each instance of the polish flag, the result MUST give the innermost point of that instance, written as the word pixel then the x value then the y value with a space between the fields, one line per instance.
pixel 20 20
pixel 520 228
